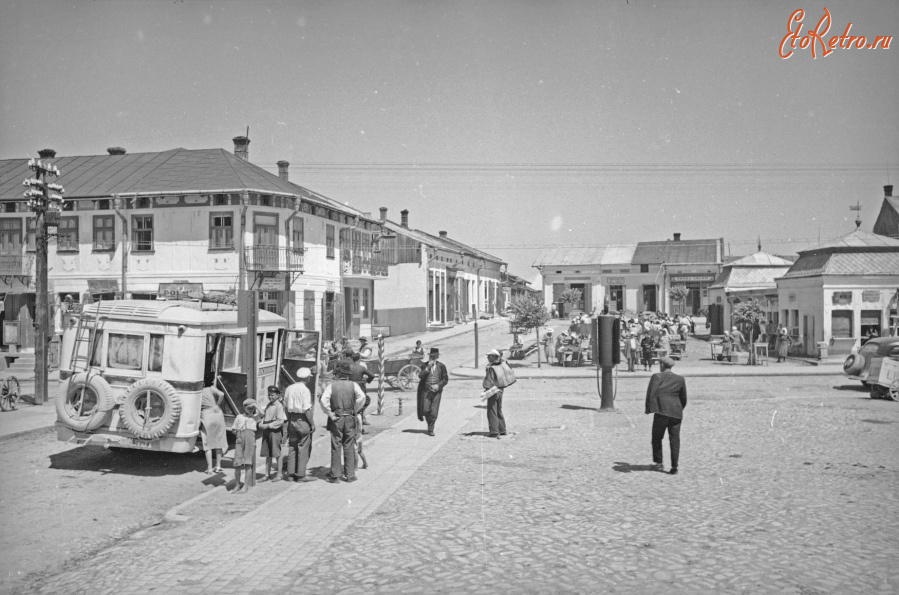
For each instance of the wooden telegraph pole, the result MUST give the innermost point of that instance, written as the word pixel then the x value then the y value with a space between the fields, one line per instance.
pixel 43 199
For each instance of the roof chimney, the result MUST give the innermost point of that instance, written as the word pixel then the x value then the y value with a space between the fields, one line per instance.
pixel 404 218
pixel 442 234
pixel 677 237
pixel 50 154
pixel 383 214
pixel 242 147
pixel 888 190
pixel 116 150
pixel 282 169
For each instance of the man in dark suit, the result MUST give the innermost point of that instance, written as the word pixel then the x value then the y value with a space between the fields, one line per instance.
pixel 666 396
pixel 431 380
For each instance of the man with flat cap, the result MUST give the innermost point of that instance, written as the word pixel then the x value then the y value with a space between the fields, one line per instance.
pixel 666 397
pixel 431 380
pixel 341 401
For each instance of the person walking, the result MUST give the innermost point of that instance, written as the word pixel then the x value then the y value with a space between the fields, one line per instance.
pixel 212 427
pixel 300 426
pixel 548 346
pixel 739 339
pixel 783 345
pixel 341 401
pixel 666 397
pixel 360 375
pixel 646 349
pixel 431 380
pixel 631 349
pixel 497 377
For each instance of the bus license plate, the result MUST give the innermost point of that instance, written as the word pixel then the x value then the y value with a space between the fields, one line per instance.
pixel 140 443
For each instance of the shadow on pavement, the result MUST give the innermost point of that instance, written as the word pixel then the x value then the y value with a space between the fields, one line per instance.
pixel 415 432
pixel 470 434
pixel 127 462
pixel 856 388
pixel 628 468
pixel 578 408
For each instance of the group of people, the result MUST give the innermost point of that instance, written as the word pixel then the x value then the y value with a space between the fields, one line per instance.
pixel 645 338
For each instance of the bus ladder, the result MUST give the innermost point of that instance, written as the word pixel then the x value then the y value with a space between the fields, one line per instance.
pixel 85 333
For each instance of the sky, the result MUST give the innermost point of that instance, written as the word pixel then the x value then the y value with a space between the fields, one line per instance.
pixel 511 125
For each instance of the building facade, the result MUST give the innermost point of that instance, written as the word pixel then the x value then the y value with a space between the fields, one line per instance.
pixel 748 278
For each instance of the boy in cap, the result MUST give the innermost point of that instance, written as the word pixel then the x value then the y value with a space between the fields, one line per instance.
pixel 273 433
pixel 244 427
pixel 431 380
pixel 666 397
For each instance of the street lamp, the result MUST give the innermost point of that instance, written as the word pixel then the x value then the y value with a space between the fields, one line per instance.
pixel 44 198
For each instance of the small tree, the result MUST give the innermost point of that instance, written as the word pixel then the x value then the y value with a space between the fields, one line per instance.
pixel 749 314
pixel 528 313
pixel 570 296
pixel 678 293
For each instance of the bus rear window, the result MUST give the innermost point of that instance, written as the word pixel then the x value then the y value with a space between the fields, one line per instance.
pixel 126 352
pixel 157 343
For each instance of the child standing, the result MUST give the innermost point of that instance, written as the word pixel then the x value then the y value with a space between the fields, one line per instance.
pixel 646 351
pixel 244 427
pixel 272 432
pixel 359 433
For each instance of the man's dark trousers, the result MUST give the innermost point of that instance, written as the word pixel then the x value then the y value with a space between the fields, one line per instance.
pixel 496 422
pixel 431 408
pixel 299 444
pixel 660 423
pixel 343 438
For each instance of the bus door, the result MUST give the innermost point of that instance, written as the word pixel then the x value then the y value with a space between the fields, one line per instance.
pixel 232 378
pixel 301 349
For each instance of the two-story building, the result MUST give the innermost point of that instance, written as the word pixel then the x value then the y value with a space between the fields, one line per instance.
pixel 183 223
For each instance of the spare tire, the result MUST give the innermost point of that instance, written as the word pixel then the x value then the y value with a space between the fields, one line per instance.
pixel 854 364
pixel 151 407
pixel 85 402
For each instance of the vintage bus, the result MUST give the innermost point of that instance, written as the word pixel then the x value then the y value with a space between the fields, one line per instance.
pixel 131 371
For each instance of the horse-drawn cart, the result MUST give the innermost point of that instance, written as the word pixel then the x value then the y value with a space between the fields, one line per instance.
pixel 400 372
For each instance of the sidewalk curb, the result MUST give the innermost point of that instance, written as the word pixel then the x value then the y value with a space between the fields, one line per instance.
pixel 22 433
pixel 520 373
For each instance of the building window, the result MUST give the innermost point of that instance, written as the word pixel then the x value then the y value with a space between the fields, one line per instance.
pixel 329 241
pixel 298 238
pixel 11 236
pixel 142 233
pixel 221 230
pixel 220 200
pixel 102 204
pixel 67 236
pixel 104 232
pixel 9 207
pixel 143 202
pixel 841 323
pixel 30 234
pixel 366 313
pixel 644 268
pixel 355 300
pixel 157 343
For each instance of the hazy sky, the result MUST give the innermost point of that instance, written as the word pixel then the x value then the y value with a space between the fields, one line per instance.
pixel 511 125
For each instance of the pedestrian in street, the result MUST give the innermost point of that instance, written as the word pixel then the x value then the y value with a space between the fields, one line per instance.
pixel 739 339
pixel 548 346
pixel 244 428
pixel 783 345
pixel 364 348
pixel 300 426
pixel 727 345
pixel 360 375
pixel 631 351
pixel 498 376
pixel 431 380
pixel 418 349
pixel 646 349
pixel 666 397
pixel 342 401
pixel 212 428
pixel 664 341
pixel 272 427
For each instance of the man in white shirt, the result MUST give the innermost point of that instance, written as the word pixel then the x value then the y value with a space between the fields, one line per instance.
pixel 300 426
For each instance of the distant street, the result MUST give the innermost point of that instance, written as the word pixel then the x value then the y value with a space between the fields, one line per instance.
pixel 787 485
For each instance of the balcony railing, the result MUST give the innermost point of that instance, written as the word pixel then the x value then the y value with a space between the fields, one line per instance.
pixel 365 267
pixel 16 264
pixel 273 258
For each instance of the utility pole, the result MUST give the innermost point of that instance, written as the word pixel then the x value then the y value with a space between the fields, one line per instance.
pixel 45 201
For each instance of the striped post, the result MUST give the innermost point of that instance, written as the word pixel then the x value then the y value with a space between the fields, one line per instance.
pixel 380 373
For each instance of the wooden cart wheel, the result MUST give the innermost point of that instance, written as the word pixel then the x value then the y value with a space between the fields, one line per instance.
pixel 894 390
pixel 406 376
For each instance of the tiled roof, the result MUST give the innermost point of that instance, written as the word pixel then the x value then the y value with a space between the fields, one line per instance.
pixel 586 255
pixel 436 241
pixel 749 278
pixel 856 239
pixel 468 249
pixel 177 170
pixel 677 252
pixel 760 259
pixel 846 263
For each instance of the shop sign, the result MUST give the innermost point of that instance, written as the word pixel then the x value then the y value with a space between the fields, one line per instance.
pixel 330 286
pixel 274 283
pixel 181 291
pixel 842 298
pixel 692 278
pixel 871 295
pixel 577 278
pixel 615 280
pixel 11 332
pixel 102 285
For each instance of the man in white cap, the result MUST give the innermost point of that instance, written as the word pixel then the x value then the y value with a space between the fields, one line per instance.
pixel 300 426
pixel 666 397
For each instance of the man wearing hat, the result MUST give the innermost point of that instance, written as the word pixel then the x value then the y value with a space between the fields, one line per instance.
pixel 360 375
pixel 431 380
pixel 300 426
pixel 341 401
pixel 496 421
pixel 666 397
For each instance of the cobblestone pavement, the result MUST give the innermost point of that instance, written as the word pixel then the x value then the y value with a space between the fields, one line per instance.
pixel 786 486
